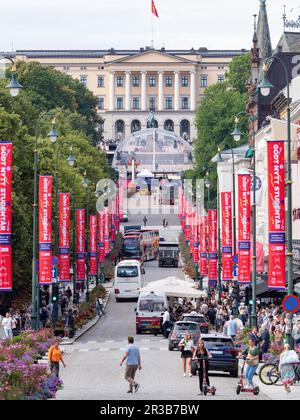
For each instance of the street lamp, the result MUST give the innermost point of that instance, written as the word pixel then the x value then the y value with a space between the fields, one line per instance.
pixel 35 282
pixel 251 154
pixel 236 134
pixel 265 88
pixel 14 86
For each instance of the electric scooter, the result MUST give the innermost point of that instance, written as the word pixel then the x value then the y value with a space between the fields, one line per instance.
pixel 206 389
pixel 241 385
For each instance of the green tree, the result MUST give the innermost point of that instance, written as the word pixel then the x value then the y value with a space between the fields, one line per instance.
pixel 215 118
pixel 239 72
pixel 46 89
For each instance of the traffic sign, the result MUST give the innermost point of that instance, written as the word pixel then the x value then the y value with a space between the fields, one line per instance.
pixel 291 304
pixel 54 261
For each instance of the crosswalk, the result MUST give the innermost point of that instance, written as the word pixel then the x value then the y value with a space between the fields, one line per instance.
pixel 145 345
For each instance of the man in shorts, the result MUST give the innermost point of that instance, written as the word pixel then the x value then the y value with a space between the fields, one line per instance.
pixel 133 363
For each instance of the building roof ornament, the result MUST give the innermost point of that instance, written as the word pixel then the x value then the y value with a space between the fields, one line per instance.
pixel 290 25
pixel 263 34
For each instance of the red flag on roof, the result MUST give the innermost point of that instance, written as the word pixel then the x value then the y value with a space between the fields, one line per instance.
pixel 154 10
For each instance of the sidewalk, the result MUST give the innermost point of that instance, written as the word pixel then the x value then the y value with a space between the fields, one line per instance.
pixel 278 392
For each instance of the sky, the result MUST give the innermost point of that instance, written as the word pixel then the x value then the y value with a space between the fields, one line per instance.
pixel 102 24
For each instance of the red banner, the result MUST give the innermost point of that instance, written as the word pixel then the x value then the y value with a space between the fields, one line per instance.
pixel 227 266
pixel 101 237
pixel 45 230
pixel 212 245
pixel 6 149
pixel 80 245
pixel 203 247
pixel 244 228
pixel 64 237
pixel 106 223
pixel 276 194
pixel 93 245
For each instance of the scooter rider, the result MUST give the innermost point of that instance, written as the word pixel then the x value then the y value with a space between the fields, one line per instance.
pixel 251 354
pixel 202 355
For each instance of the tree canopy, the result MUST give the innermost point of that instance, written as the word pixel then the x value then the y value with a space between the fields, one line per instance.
pixel 216 116
pixel 73 106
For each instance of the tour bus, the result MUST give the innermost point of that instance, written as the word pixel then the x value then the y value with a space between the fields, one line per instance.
pixel 128 280
pixel 141 245
pixel 150 309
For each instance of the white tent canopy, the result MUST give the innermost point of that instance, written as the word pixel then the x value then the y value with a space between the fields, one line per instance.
pixel 174 287
pixel 145 174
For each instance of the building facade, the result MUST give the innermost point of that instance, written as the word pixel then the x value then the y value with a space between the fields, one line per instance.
pixel 130 84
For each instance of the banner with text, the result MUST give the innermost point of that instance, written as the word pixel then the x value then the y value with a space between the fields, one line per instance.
pixel 6 150
pixel 64 237
pixel 203 247
pixel 80 245
pixel 227 265
pixel 45 230
pixel 101 237
pixel 212 245
pixel 276 204
pixel 244 228
pixel 93 245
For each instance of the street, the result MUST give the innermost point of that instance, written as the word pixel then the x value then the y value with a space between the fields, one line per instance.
pixel 93 370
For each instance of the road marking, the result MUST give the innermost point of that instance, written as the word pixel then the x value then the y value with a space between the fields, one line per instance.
pixel 163 349
pixel 103 349
pixel 144 349
pixel 109 341
pixel 83 350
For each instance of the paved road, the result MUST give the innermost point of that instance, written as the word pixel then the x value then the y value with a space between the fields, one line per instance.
pixel 93 370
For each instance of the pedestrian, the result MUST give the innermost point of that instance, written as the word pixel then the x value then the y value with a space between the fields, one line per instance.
pixel 133 363
pixel 164 223
pixel 251 354
pixel 296 333
pixel 286 366
pixel 202 355
pixel 55 357
pixel 99 307
pixel 231 327
pixel 44 316
pixel 69 293
pixel 187 348
pixel 145 220
pixel 69 324
pixel 264 340
pixel 7 324
pixel 254 336
pixel 165 322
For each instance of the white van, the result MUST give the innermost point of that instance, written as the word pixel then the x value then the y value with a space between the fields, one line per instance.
pixel 128 280
pixel 150 309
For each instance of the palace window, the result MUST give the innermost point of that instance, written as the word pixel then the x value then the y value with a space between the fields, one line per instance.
pixel 136 102
pixel 221 78
pixel 169 102
pixel 152 103
pixel 83 80
pixel 120 81
pixel 169 81
pixel 100 102
pixel 185 102
pixel 152 81
pixel 136 81
pixel 120 102
pixel 100 81
pixel 184 81
pixel 204 81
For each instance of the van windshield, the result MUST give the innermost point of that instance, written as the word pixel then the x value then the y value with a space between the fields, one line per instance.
pixel 127 272
pixel 148 305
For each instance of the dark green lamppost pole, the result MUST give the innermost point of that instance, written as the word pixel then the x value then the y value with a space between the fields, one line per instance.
pixel 265 88
pixel 219 160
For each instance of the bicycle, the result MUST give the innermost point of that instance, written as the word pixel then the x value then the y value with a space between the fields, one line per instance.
pixel 269 374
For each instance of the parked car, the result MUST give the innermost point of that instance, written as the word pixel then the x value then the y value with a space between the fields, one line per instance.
pixel 180 329
pixel 224 354
pixel 200 319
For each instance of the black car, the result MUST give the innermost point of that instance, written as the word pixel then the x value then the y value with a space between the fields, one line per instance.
pixel 200 319
pixel 224 354
pixel 180 329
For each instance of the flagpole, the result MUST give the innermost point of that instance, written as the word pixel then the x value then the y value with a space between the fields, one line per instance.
pixel 152 25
